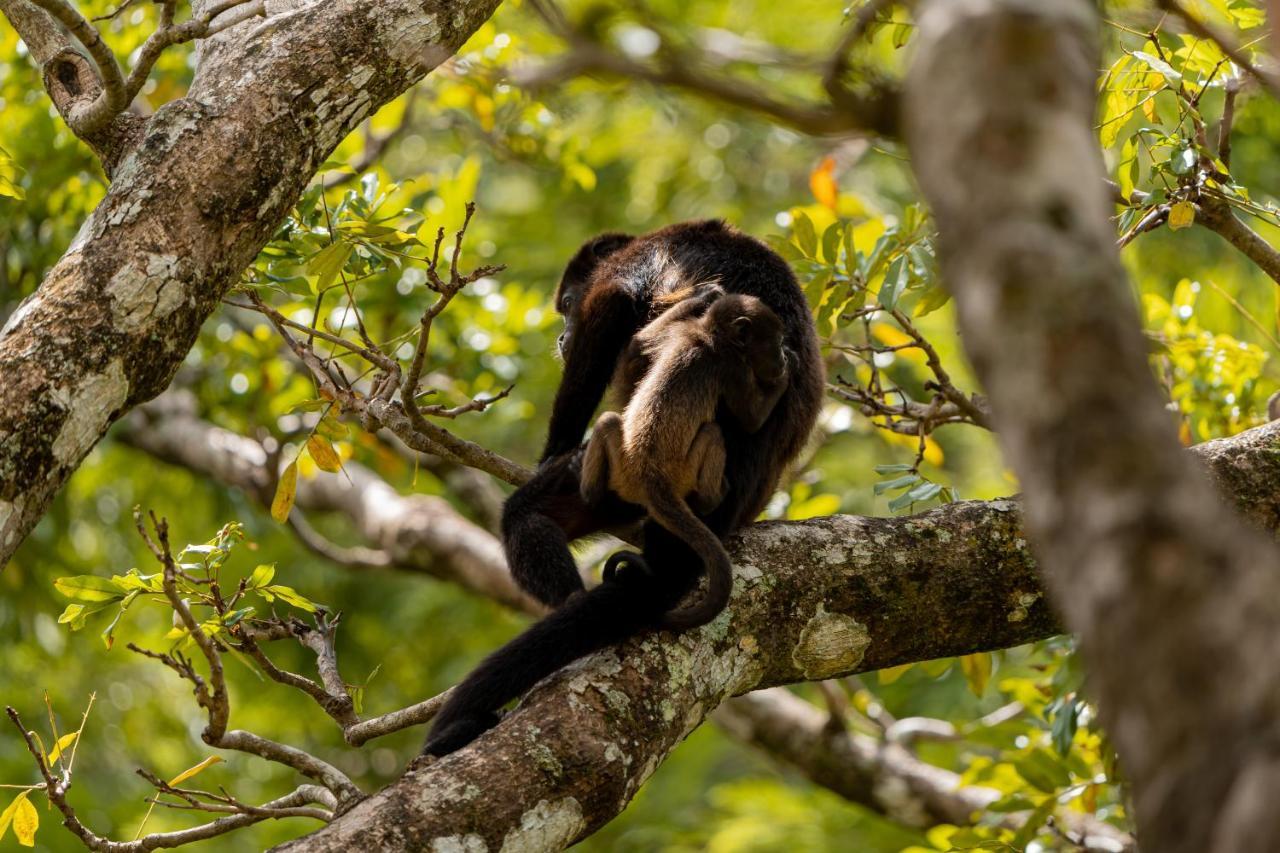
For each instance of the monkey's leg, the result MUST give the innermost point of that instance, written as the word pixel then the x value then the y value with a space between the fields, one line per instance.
pixel 601 457
pixel 706 460
pixel 542 517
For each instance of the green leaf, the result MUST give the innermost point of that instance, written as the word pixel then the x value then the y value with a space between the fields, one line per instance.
pixel 328 262
pixel 1012 803
pixel 234 618
pixel 789 251
pixel 1183 162
pixel 831 242
pixel 896 483
pixel 88 588
pixel 1042 770
pixel 934 298
pixel 806 236
pixel 290 596
pixel 1065 722
pixel 1027 832
pixel 895 282
pixel 108 633
pixel 262 575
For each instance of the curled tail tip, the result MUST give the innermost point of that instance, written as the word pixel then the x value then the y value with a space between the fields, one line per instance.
pixel 696 615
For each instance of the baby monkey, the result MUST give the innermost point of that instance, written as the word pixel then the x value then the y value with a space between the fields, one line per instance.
pixel 711 352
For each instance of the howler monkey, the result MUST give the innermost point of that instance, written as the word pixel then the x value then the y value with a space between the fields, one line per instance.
pixel 665 451
pixel 613 287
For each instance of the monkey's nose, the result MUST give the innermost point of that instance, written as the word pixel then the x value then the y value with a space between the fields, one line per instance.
pixel 561 341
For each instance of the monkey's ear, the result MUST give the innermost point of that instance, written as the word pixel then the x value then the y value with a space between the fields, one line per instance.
pixel 740 329
pixel 605 245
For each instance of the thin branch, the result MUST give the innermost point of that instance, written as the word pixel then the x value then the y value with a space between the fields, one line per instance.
pixel 1228 47
pixel 1230 91
pixel 113 98
pixel 376 727
pixel 672 66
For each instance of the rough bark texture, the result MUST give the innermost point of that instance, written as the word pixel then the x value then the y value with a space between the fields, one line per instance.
pixel 189 208
pixel 1177 603
pixel 956 579
pixel 812 600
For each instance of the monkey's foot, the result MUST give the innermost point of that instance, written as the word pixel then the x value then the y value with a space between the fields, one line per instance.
pixel 626 568
pixel 458 733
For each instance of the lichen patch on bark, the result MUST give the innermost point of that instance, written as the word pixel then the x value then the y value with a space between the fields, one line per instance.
pixel 89 410
pixel 830 643
pixel 546 826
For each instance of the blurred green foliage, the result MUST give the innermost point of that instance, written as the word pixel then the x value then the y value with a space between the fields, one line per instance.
pixel 547 170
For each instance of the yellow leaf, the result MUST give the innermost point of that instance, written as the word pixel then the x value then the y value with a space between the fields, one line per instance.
pixel 822 183
pixel 977 671
pixel 323 453
pixel 286 491
pixel 6 816
pixel 63 742
pixel 893 673
pixel 1181 215
pixel 932 451
pixel 26 820
pixel 191 771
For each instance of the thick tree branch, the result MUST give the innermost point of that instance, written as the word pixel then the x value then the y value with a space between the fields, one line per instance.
pixel 885 777
pixel 116 316
pixel 1171 595
pixel 1245 467
pixel 812 600
pixel 1216 215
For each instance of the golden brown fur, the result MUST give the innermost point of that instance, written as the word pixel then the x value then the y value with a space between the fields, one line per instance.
pixel 665 451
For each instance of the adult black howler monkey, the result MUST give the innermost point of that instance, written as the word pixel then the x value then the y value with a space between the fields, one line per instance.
pixel 614 286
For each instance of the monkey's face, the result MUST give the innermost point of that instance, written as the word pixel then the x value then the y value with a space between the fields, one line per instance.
pixel 576 279
pixel 568 302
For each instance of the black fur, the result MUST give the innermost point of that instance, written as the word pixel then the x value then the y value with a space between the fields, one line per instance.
pixel 615 281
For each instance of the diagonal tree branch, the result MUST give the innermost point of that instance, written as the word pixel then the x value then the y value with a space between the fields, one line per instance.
pixel 418 533
pixel 812 600
pixel 115 317
pixel 1245 467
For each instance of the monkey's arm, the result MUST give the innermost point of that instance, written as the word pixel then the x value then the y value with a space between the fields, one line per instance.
pixel 609 318
pixel 751 401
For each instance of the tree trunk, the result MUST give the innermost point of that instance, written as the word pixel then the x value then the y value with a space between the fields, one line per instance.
pixel 1176 602
pixel 189 209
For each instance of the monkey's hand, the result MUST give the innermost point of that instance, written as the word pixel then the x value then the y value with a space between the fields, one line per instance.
pixel 707 292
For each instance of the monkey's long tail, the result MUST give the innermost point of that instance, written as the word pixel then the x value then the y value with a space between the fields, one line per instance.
pixel 585 623
pixel 673 513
